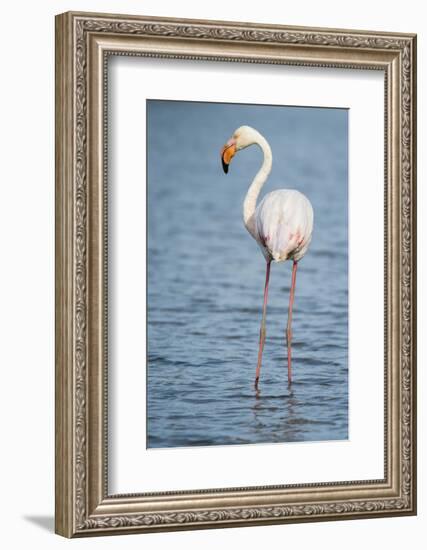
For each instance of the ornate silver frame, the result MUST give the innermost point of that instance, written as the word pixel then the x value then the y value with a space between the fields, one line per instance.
pixel 83 42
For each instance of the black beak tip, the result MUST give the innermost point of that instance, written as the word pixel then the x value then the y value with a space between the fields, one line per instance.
pixel 224 166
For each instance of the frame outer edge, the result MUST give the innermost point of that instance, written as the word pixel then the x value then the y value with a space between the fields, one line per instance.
pixel 233 24
pixel 414 271
pixel 64 237
pixel 73 509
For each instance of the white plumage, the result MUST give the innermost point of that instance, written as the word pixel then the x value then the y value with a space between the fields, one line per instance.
pixel 282 223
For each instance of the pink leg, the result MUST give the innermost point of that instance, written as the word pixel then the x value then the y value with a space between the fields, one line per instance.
pixel 262 331
pixel 289 327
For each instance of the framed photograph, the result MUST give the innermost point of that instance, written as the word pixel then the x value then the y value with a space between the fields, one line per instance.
pixel 235 274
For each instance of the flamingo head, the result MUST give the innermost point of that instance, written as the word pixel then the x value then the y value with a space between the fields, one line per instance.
pixel 241 138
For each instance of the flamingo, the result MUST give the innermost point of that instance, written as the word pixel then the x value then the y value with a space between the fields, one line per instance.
pixel 281 224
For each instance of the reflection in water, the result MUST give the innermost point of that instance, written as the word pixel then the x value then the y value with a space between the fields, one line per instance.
pixel 206 277
pixel 286 409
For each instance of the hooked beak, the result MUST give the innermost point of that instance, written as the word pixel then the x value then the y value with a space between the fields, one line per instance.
pixel 227 153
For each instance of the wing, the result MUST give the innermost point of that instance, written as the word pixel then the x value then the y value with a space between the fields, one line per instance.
pixel 284 224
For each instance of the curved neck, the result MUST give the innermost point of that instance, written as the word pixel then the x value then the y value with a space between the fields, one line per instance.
pixel 249 204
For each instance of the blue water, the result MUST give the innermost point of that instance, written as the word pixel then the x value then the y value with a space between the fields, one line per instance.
pixel 206 280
